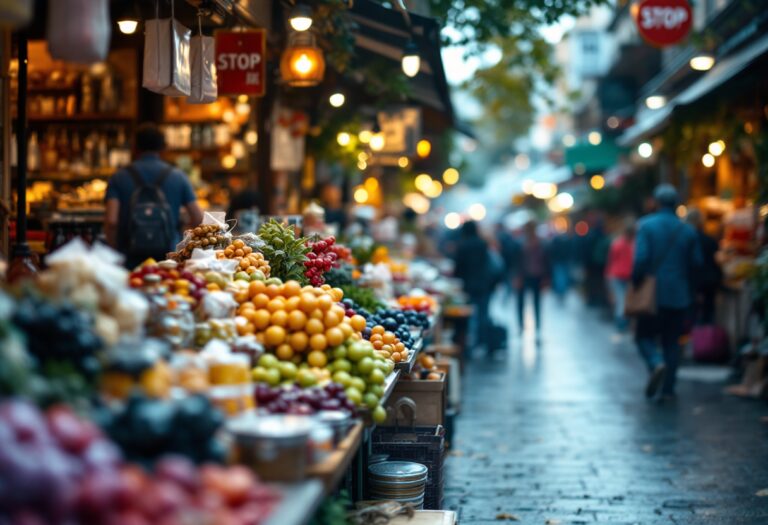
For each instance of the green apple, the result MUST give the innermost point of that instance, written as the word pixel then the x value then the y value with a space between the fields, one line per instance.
pixel 242 276
pixel 371 400
pixel 272 376
pixel 354 395
pixel 258 275
pixel 377 390
pixel 288 370
pixel 306 378
pixel 343 378
pixel 268 361
pixel 273 280
pixel 358 384
pixel 342 365
pixel 377 377
pixel 259 374
pixel 360 350
pixel 340 352
pixel 365 366
pixel 379 415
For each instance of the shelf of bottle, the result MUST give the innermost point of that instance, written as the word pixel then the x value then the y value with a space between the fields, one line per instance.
pixel 82 117
pixel 63 176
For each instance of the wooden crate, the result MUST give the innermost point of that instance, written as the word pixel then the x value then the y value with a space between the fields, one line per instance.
pixel 418 402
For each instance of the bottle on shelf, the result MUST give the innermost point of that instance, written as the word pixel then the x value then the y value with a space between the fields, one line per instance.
pixel 33 152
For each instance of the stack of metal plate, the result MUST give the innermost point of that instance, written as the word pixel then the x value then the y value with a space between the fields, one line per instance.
pixel 401 481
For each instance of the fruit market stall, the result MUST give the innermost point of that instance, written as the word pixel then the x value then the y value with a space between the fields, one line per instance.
pixel 230 379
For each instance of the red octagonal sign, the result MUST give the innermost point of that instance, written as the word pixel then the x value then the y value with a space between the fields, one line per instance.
pixel 663 22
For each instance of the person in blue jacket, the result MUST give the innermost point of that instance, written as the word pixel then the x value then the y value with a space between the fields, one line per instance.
pixel 666 248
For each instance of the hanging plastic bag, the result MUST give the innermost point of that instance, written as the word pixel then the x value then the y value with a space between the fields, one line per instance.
pixel 166 55
pixel 203 68
pixel 79 30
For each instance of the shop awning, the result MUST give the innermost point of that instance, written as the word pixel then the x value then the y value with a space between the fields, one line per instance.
pixel 722 72
pixel 384 32
pixel 649 123
pixel 585 157
pixel 726 69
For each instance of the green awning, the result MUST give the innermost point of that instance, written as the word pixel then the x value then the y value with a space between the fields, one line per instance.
pixel 585 157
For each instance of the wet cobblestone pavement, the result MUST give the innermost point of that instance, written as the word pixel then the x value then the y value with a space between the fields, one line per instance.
pixel 560 434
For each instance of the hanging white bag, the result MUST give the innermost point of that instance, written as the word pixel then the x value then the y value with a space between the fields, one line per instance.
pixel 166 55
pixel 79 30
pixel 203 68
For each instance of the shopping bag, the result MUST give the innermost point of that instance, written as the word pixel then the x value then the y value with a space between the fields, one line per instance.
pixel 710 344
pixel 166 56
pixel 203 70
pixel 641 299
pixel 79 30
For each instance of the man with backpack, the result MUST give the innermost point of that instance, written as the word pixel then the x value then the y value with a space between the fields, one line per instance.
pixel 144 201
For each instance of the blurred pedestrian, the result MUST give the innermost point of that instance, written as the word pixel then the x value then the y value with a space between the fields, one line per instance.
pixel 618 272
pixel 596 246
pixel 511 254
pixel 142 218
pixel 709 278
pixel 561 258
pixel 534 273
pixel 473 265
pixel 667 249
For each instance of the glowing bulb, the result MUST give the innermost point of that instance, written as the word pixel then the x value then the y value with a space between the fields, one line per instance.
pixel 417 202
pixel 645 150
pixel 702 62
pixel 528 185
pixel 595 138
pixel 477 212
pixel 717 148
pixel 708 160
pixel 365 136
pixel 452 220
pixel 544 190
pixel 451 176
pixel 343 138
pixel 362 165
pixel 564 200
pixel 403 162
pixel 597 182
pixel 362 156
pixel 422 182
pixel 251 137
pixel 238 149
pixel 303 64
pixel 371 184
pixel 242 99
pixel 569 140
pixel 228 116
pixel 337 100
pixel 300 18
pixel 423 148
pixel 411 61
pixel 656 101
pixel 128 27
pixel 228 161
pixel 434 190
pixel 377 141
pixel 242 108
pixel 613 122
pixel 361 195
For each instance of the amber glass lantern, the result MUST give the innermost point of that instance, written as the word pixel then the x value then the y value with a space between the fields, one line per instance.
pixel 302 63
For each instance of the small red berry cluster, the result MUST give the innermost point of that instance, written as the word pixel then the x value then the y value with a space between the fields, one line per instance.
pixel 320 260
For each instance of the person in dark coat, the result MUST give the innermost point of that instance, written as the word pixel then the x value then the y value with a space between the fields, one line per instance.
pixel 534 273
pixel 667 248
pixel 472 263
pixel 710 277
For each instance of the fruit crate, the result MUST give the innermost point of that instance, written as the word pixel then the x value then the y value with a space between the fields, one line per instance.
pixel 425 445
pixel 420 402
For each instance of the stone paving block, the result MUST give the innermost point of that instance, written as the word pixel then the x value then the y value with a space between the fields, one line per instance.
pixel 560 431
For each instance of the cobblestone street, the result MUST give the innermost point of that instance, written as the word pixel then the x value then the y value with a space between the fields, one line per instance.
pixel 560 434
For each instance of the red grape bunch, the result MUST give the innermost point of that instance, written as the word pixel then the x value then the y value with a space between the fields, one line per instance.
pixel 320 260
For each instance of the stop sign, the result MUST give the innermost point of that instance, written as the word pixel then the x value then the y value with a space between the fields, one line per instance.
pixel 663 22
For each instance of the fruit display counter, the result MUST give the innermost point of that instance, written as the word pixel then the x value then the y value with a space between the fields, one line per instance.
pixel 231 380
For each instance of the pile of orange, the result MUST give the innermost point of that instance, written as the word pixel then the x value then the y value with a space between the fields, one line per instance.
pixel 248 260
pixel 388 345
pixel 291 320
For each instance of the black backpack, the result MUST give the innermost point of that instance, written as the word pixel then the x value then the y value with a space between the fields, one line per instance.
pixel 150 229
